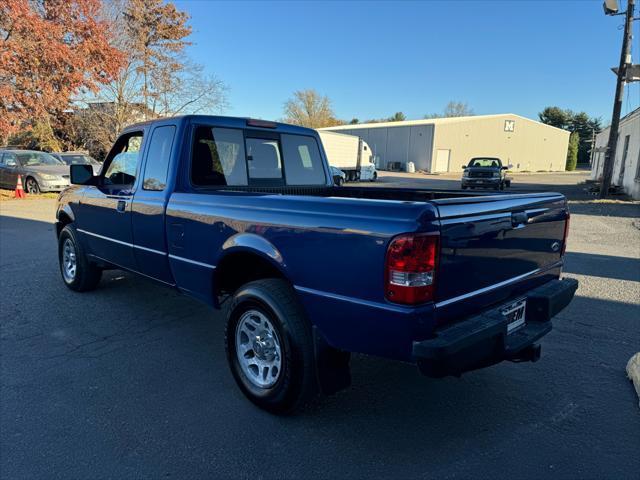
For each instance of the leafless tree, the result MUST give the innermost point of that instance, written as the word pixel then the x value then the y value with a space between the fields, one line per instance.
pixel 453 109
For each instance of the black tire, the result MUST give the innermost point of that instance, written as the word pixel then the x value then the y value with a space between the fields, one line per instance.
pixel 87 274
pixel 508 184
pixel 296 383
pixel 31 186
pixel 375 176
pixel 340 181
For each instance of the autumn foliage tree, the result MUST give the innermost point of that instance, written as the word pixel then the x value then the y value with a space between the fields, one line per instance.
pixel 157 78
pixel 157 33
pixel 309 109
pixel 49 51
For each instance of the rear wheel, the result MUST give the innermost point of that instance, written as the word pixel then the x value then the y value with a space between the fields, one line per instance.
pixel 78 273
pixel 374 177
pixel 270 346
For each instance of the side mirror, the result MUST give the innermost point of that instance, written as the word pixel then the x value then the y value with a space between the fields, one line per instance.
pixel 504 167
pixel 464 166
pixel 82 175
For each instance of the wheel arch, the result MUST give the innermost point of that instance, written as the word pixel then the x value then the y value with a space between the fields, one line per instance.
pixel 65 217
pixel 246 257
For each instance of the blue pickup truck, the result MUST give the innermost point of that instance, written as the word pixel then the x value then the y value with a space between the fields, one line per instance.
pixel 242 214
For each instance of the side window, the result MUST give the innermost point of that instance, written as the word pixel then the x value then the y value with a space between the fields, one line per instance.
pixel 217 157
pixel 9 160
pixel 264 160
pixel 123 161
pixel 155 173
pixel 302 160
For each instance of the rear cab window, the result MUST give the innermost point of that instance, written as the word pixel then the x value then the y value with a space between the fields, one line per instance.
pixel 244 158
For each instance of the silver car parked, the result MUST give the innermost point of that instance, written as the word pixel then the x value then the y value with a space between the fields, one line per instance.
pixel 40 171
pixel 78 158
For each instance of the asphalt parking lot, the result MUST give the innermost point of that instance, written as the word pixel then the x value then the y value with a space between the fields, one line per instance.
pixel 565 182
pixel 130 380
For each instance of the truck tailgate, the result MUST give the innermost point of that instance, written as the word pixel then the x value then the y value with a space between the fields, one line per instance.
pixel 489 241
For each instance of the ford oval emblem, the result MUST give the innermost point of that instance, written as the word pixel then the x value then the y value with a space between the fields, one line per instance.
pixel 555 246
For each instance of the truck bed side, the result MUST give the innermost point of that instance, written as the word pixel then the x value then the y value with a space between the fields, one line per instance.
pixel 331 249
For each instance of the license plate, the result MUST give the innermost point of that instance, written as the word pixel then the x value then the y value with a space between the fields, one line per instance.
pixel 514 314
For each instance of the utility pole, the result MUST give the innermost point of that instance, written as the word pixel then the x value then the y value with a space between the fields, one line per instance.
pixel 592 150
pixel 625 53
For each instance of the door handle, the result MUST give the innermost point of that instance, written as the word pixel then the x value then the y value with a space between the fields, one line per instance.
pixel 122 205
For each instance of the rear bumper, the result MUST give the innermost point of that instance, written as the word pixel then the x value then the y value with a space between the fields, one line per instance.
pixel 482 340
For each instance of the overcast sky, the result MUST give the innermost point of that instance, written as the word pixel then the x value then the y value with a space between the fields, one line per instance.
pixel 376 58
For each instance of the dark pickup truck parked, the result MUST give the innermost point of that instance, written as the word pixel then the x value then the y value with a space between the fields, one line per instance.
pixel 243 215
pixel 485 172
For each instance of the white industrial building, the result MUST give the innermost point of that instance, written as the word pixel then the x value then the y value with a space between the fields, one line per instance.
pixel 446 144
pixel 626 167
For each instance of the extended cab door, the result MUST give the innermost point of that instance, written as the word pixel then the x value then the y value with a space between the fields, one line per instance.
pixel 105 210
pixel 149 204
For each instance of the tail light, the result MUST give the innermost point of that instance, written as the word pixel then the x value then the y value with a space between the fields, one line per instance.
pixel 565 235
pixel 410 268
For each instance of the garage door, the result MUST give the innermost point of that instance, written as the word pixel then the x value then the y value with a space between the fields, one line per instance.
pixel 442 161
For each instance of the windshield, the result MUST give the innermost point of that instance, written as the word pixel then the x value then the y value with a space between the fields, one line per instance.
pixel 485 162
pixel 78 160
pixel 36 159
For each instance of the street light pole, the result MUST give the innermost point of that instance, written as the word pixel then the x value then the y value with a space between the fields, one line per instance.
pixel 610 153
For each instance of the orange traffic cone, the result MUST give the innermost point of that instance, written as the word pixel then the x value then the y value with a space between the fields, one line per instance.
pixel 19 192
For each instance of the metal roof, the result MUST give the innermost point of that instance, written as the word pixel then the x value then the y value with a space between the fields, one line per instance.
pixel 430 121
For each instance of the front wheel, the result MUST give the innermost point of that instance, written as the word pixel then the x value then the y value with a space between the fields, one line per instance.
pixel 31 186
pixel 269 346
pixel 78 273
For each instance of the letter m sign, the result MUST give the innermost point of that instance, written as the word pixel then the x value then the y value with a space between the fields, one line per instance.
pixel 509 125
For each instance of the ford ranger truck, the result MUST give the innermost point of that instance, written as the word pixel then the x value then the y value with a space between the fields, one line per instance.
pixel 242 214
